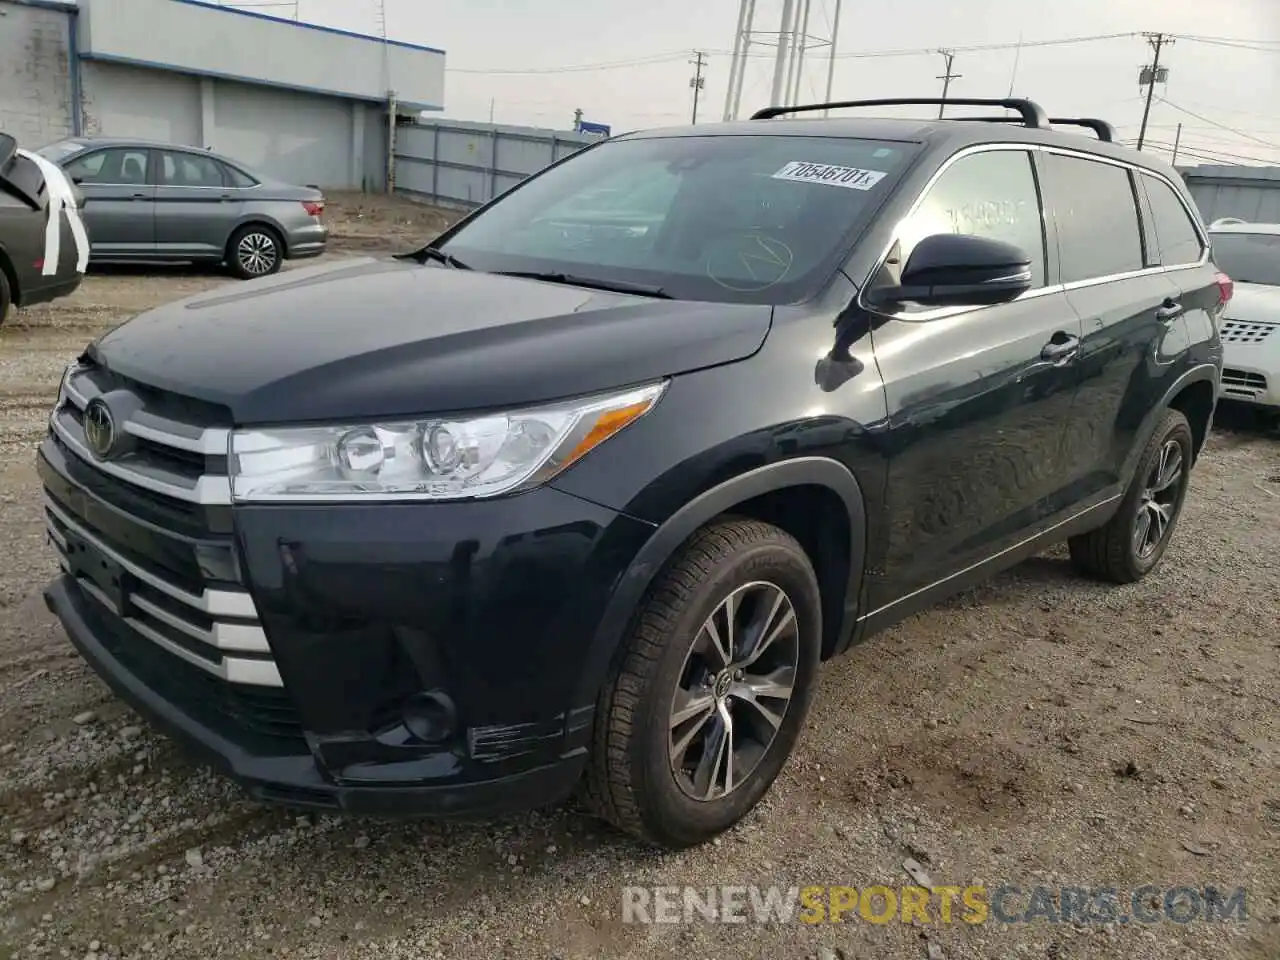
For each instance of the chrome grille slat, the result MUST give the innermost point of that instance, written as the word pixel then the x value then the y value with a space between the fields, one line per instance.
pixel 256 673
pixel 209 489
pixel 213 603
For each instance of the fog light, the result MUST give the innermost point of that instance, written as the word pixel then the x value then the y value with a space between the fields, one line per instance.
pixel 430 716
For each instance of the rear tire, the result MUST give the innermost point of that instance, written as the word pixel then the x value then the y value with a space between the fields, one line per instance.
pixel 658 769
pixel 255 250
pixel 1131 545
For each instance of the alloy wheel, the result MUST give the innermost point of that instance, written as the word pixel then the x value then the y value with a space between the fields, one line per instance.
pixel 1159 500
pixel 734 690
pixel 257 253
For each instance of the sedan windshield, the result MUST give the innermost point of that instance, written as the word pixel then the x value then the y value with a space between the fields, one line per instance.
pixel 1248 257
pixel 756 219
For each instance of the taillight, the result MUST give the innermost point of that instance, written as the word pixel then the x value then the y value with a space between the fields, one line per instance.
pixel 1226 288
pixel 313 207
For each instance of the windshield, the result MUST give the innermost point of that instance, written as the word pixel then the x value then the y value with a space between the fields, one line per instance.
pixel 1248 257
pixel 57 152
pixel 756 219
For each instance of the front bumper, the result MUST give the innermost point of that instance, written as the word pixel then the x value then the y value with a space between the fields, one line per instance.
pixel 1251 363
pixel 296 780
pixel 365 608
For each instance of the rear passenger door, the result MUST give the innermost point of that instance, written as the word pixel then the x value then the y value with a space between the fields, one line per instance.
pixel 978 398
pixel 1134 335
pixel 196 205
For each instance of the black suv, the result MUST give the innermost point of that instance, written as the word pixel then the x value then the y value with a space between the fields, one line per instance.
pixel 582 492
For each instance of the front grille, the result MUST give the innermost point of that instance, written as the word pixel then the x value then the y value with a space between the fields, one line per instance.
pixel 146 535
pixel 1241 331
pixel 182 459
pixel 1242 383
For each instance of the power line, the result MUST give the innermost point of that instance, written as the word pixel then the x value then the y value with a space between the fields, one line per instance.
pixel 1221 126
pixel 673 56
pixel 579 67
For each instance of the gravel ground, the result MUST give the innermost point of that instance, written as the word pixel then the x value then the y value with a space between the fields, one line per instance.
pixel 1039 730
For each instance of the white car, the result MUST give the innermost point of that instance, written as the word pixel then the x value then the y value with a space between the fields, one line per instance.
pixel 1249 253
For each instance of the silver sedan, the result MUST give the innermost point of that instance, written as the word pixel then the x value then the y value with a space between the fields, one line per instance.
pixel 160 202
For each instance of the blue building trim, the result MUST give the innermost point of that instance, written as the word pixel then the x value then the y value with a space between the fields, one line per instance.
pixel 295 23
pixel 252 81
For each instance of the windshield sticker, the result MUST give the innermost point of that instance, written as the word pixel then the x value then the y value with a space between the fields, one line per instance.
pixel 853 178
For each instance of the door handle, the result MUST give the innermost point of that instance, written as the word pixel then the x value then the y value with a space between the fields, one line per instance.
pixel 1061 348
pixel 1169 310
pixel 139 196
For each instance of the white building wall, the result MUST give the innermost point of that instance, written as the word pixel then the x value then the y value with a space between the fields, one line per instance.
pixel 35 74
pixel 295 136
pixel 198 37
pixel 122 101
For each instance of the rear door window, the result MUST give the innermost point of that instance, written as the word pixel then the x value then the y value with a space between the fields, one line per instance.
pixel 1179 240
pixel 1096 211
pixel 190 170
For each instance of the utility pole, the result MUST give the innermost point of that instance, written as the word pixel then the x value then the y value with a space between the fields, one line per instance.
pixel 831 62
pixel 697 81
pixel 1151 76
pixel 1177 141
pixel 949 57
pixel 577 118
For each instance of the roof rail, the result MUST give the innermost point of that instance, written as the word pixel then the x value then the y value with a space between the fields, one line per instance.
pixel 1105 131
pixel 1032 113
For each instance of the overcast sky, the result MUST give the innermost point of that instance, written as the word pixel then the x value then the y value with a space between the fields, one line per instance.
pixel 1228 86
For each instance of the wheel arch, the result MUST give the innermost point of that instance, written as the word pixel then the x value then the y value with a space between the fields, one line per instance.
pixel 1195 395
pixel 777 493
pixel 258 220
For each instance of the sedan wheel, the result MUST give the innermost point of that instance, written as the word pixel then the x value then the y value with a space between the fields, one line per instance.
pixel 255 252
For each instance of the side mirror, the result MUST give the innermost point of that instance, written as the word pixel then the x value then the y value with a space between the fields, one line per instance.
pixel 960 270
pixel 77 180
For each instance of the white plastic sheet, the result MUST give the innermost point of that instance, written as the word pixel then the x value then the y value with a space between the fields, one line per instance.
pixel 62 202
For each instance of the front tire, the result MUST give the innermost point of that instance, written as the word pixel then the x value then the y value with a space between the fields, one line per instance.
pixel 713 687
pixel 1131 545
pixel 255 251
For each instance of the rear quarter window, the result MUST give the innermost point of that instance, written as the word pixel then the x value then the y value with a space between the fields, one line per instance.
pixel 1179 240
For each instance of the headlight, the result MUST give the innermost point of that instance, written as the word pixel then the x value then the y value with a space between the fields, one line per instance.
pixel 429 459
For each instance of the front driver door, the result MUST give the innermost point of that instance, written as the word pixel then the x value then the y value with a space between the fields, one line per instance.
pixel 119 210
pixel 978 398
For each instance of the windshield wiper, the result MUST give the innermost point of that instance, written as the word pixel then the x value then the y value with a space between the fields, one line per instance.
pixel 571 280
pixel 439 256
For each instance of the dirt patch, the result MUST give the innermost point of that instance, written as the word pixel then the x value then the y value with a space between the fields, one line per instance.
pixel 1041 729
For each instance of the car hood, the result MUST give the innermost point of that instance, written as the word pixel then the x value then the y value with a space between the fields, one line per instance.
pixel 388 337
pixel 1254 303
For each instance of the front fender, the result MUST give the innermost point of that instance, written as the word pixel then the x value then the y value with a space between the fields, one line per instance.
pixel 659 549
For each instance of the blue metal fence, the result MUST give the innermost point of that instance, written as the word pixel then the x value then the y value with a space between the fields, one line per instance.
pixel 455 163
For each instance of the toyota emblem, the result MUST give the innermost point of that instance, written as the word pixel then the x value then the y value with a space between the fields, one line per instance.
pixel 99 428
